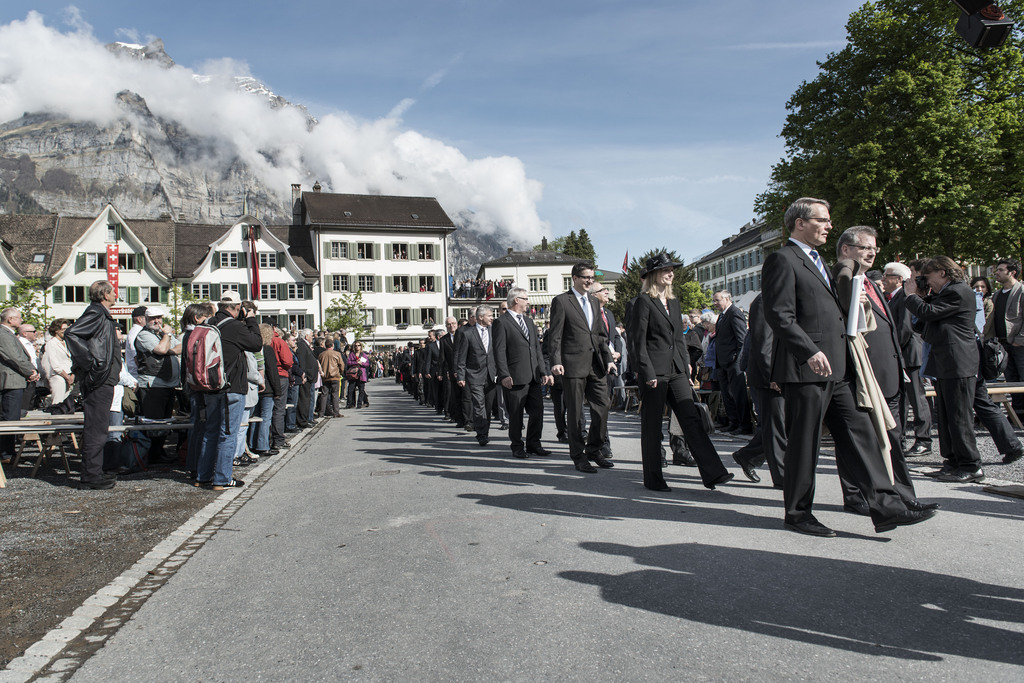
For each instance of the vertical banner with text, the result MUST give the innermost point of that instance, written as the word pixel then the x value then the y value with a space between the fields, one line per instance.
pixel 112 266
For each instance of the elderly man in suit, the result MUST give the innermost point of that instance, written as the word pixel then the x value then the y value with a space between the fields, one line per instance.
pixel 731 330
pixel 522 371
pixel 311 369
pixel 475 370
pixel 579 354
pixel 810 365
pixel 17 369
pixel 451 394
pixel 948 315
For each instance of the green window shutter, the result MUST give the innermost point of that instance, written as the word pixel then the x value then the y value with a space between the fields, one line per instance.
pixel 378 316
pixel 133 295
pixel 280 260
pixel 243 292
pixel 215 262
pixel 389 283
pixel 243 259
pixel 57 294
pixel 165 294
pixel 378 283
pixel 414 252
pixel 117 232
pixel 351 250
pixel 327 250
pixel 391 317
pixel 214 292
pixel 307 291
pixel 387 252
pixel 282 291
pixel 80 262
pixel 282 321
pixel 376 252
pixel 140 262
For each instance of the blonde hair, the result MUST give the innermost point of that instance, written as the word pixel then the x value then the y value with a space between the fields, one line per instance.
pixel 267 332
pixel 655 290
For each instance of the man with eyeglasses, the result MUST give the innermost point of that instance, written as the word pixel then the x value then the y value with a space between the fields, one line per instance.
pixel 579 353
pixel 810 364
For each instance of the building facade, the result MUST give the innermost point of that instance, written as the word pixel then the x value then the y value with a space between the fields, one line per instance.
pixel 736 265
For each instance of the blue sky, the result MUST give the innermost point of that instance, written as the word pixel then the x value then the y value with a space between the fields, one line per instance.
pixel 648 123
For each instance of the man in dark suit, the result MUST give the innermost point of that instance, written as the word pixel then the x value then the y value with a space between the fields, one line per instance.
pixel 311 370
pixel 475 370
pixel 948 315
pixel 579 354
pixel 452 398
pixel 17 370
pixel 730 331
pixel 522 371
pixel 809 363
pixel 436 380
pixel 893 277
pixel 859 244
pixel 769 441
pixel 615 347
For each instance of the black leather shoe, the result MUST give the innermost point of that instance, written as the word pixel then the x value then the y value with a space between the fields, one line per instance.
pixel 562 439
pixel 540 450
pixel 920 505
pixel 1013 457
pixel 603 462
pixel 503 426
pixel 749 470
pixel 664 462
pixel 106 483
pixel 946 469
pixel 724 479
pixel 683 459
pixel 584 466
pixel 917 450
pixel 860 509
pixel 482 440
pixel 663 488
pixel 962 476
pixel 522 455
pixel 903 519
pixel 811 527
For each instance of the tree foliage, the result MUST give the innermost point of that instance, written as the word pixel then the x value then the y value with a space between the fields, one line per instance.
pixel 576 245
pixel 28 297
pixel 686 288
pixel 346 313
pixel 910 130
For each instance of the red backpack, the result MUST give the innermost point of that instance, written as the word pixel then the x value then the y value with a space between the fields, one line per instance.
pixel 204 362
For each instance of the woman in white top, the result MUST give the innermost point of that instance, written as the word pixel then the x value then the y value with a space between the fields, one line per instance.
pixel 57 362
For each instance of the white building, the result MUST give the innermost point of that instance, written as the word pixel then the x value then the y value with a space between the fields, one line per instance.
pixel 736 265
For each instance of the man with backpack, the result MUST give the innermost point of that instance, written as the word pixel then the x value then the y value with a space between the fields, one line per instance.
pixel 217 366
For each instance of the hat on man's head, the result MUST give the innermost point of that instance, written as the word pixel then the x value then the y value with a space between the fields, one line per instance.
pixel 139 311
pixel 155 312
pixel 230 297
pixel 657 263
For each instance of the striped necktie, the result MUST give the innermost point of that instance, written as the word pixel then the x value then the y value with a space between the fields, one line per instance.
pixel 821 266
pixel 522 326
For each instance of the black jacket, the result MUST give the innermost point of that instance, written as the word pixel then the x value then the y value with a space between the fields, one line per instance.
pixel 238 336
pixel 657 347
pixel 949 327
pixel 95 351
pixel 731 331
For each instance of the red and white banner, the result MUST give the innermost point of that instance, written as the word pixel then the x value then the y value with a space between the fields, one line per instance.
pixel 254 260
pixel 112 266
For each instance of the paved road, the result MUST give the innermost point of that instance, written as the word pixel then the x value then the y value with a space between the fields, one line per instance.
pixel 389 547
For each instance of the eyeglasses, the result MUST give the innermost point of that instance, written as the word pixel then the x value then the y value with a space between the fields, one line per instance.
pixel 522 298
pixel 585 277
pixel 820 220
pixel 873 250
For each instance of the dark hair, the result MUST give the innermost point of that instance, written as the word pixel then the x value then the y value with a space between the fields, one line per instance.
pixel 192 313
pixel 953 271
pixel 917 264
pixel 801 208
pixel 1010 265
pixel 981 278
pixel 55 326
pixel 577 270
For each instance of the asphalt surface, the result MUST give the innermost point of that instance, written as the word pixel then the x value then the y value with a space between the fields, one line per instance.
pixel 388 546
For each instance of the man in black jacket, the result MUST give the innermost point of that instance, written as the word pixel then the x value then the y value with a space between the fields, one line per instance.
pixel 311 370
pixel 731 330
pixel 96 362
pixel 224 408
pixel 452 392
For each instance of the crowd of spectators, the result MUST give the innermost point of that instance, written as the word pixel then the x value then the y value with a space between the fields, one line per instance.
pixel 481 289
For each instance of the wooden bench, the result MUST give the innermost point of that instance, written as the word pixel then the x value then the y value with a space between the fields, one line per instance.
pixel 1002 393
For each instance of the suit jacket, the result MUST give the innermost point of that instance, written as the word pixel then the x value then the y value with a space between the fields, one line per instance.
pixel 576 346
pixel 805 317
pixel 910 341
pixel 731 330
pixel 657 344
pixel 15 364
pixel 435 358
pixel 759 343
pixel 307 360
pixel 514 355
pixel 614 338
pixel 448 355
pixel 884 347
pixel 949 327
pixel 421 360
pixel 474 364
pixel 1014 317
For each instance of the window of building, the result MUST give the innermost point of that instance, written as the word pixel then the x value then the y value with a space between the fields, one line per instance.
pixel 296 290
pixel 364 250
pixel 401 283
pixel 149 295
pixel 128 261
pixel 229 259
pixel 268 292
pixel 112 233
pixel 427 316
pixel 365 283
pixel 339 283
pixel 426 283
pixel 268 259
pixel 339 249
pixel 96 261
pixel 122 295
pixel 369 318
pixel 201 291
pixel 400 252
pixel 402 316
pixel 74 295
pixel 567 282
pixel 538 284
pixel 426 252
pixel 230 287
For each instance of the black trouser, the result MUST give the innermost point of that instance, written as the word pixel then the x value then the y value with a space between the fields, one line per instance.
pixel 558 403
pixel 900 472
pixel 280 406
pixel 677 393
pixel 916 399
pixel 10 410
pixel 303 418
pixel 520 399
pixel 954 401
pixel 769 441
pixel 595 390
pixel 807 406
pixel 481 398
pixel 734 395
pixel 96 411
pixel 353 388
pixel 994 420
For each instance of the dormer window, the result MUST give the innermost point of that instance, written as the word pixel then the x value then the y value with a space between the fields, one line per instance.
pixel 39 258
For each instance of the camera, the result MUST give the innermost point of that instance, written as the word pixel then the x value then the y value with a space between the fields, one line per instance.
pixel 922 284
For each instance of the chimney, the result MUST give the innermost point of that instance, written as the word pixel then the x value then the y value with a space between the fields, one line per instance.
pixel 316 186
pixel 510 250
pixel 181 217
pixel 543 243
pixel 296 204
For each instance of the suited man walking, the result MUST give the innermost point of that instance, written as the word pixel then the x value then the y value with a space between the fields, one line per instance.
pixel 579 354
pixel 522 371
pixel 452 393
pixel 476 372
pixel 731 330
pixel 810 364
pixel 615 347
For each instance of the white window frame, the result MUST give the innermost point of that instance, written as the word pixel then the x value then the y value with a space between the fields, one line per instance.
pixel 268 292
pixel 268 259
pixel 339 249
pixel 198 291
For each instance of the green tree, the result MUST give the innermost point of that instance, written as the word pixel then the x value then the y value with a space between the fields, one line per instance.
pixel 575 245
pixel 584 248
pixel 28 296
pixel 911 131
pixel 179 298
pixel 346 313
pixel 686 289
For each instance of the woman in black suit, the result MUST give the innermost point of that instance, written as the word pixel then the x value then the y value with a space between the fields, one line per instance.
pixel 657 346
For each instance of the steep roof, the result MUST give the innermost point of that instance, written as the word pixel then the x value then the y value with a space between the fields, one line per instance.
pixel 23 237
pixel 300 247
pixel 158 236
pixel 541 257
pixel 375 211
pixel 193 242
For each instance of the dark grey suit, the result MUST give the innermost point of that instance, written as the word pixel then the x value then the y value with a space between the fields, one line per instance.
pixel 730 331
pixel 475 366
pixel 522 360
pixel 910 346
